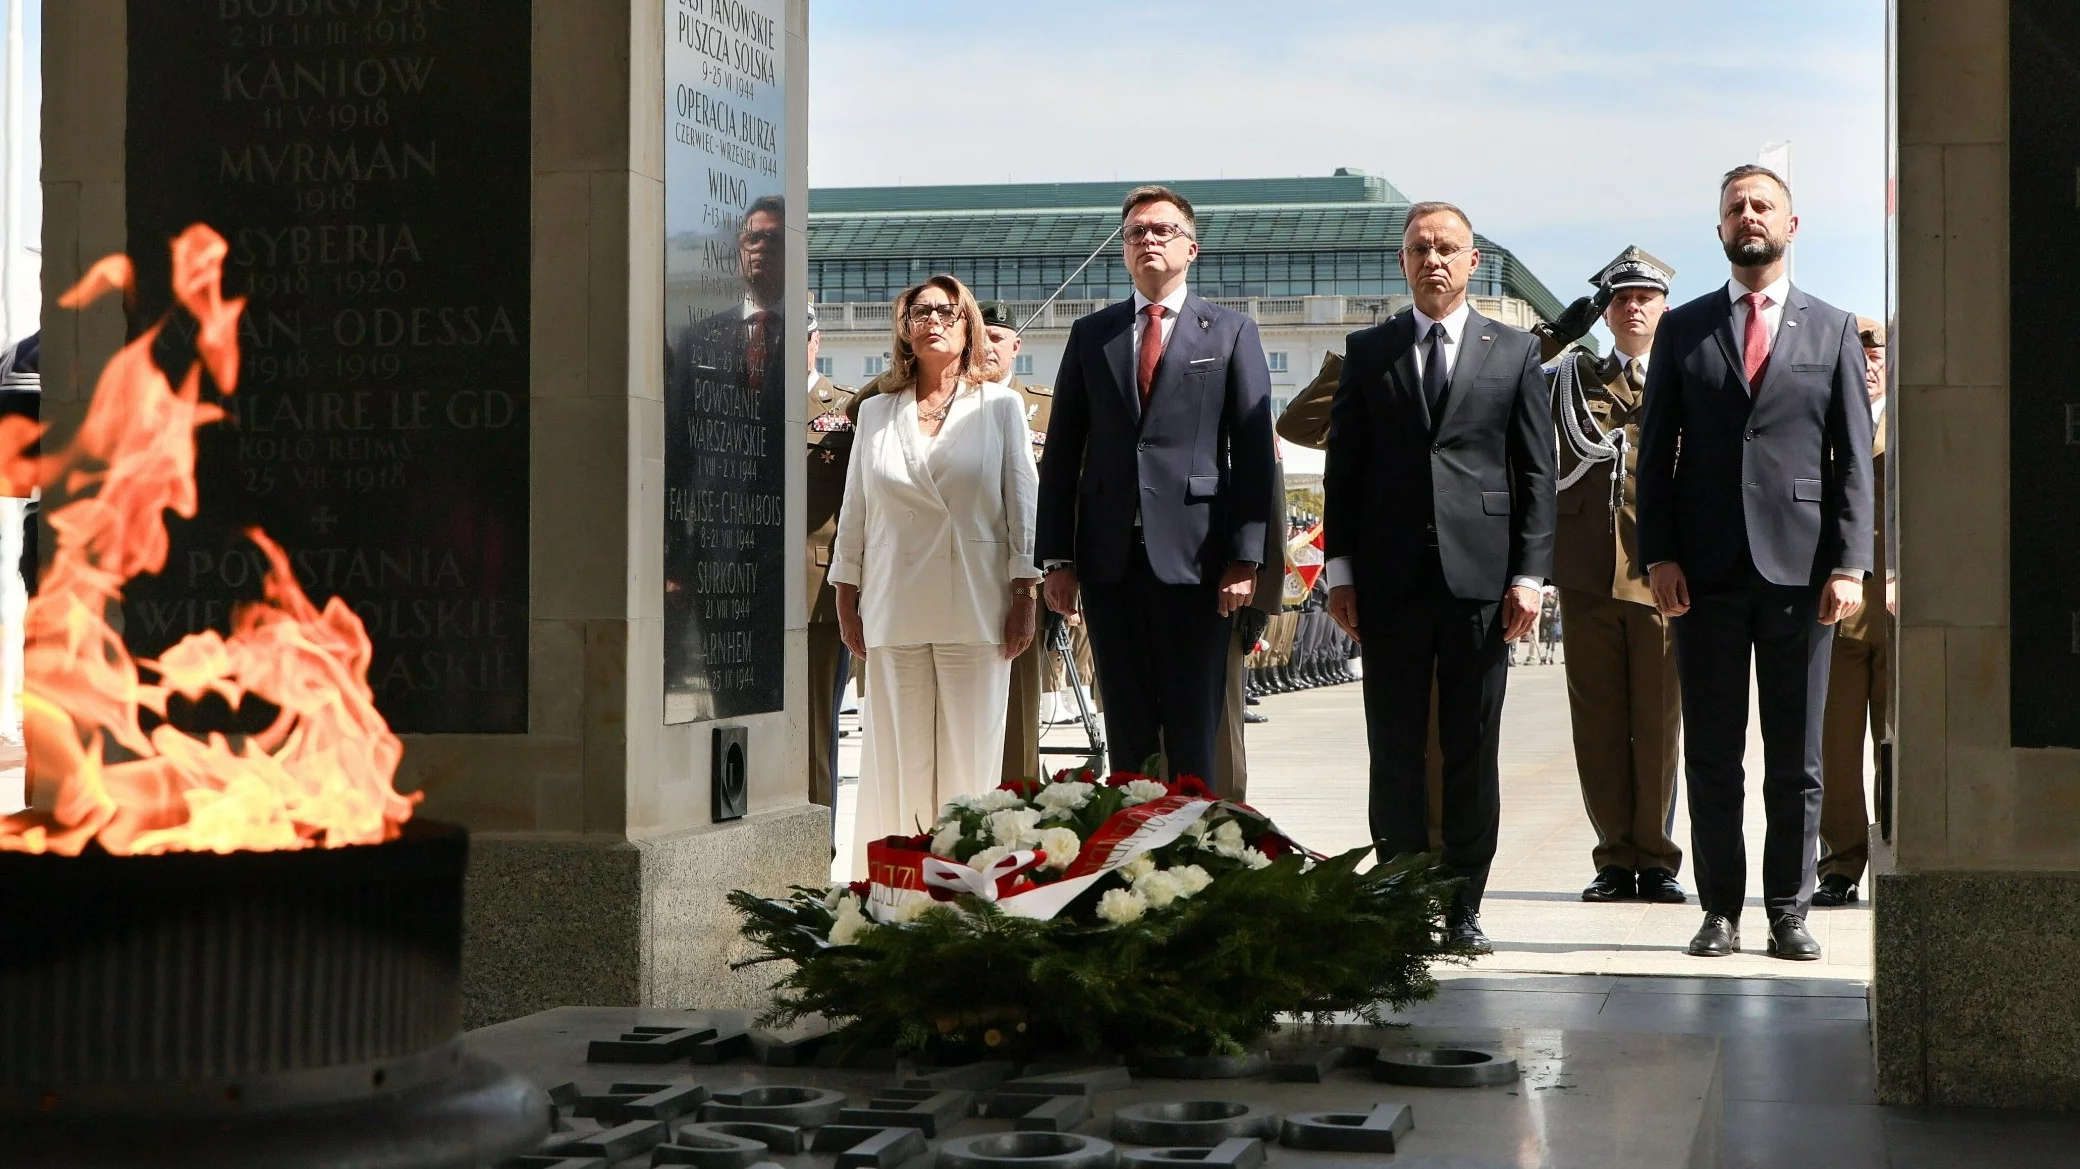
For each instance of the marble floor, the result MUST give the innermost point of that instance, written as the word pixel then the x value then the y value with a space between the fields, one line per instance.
pixel 1798 1083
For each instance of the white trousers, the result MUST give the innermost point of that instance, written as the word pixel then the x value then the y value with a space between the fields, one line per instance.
pixel 934 729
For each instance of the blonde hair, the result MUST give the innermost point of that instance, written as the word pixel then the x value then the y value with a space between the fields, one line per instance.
pixel 977 365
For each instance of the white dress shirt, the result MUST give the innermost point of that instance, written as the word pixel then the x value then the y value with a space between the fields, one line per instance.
pixel 1454 323
pixel 1772 310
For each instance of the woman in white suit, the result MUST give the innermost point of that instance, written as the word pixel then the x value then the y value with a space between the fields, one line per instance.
pixel 933 564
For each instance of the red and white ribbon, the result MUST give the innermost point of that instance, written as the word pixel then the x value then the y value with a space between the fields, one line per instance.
pixel 952 878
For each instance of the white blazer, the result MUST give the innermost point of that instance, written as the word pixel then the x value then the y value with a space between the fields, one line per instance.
pixel 934 556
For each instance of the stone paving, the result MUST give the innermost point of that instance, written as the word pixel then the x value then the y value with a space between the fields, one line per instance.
pixel 1307 771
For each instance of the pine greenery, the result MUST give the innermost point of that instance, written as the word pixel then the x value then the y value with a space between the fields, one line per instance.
pixel 1209 975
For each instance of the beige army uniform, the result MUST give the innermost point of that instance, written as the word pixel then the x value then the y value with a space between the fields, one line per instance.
pixel 829 448
pixel 1306 421
pixel 1859 692
pixel 1621 667
pixel 1231 756
pixel 1028 670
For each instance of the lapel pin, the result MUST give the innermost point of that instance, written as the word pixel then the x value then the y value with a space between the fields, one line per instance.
pixel 1793 324
pixel 1204 323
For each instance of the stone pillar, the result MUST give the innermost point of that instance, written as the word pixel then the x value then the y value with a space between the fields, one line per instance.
pixel 598 870
pixel 1980 882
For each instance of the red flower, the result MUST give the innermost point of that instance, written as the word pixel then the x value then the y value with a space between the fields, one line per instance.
pixel 1066 775
pixel 1272 845
pixel 861 889
pixel 1123 778
pixel 1025 788
pixel 1192 786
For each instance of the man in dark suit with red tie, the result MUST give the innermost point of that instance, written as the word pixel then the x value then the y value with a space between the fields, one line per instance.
pixel 1155 490
pixel 1755 524
pixel 1438 525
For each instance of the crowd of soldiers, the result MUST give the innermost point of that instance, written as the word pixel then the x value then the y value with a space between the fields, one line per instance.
pixel 1618 649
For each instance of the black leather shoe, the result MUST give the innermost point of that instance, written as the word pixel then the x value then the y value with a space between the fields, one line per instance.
pixel 1789 940
pixel 1659 886
pixel 1465 929
pixel 1251 716
pixel 1611 884
pixel 1249 699
pixel 1719 936
pixel 1835 890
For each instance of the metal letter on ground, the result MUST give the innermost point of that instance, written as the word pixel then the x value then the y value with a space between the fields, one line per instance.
pixel 1348 1132
pixel 1237 1153
pixel 1196 1123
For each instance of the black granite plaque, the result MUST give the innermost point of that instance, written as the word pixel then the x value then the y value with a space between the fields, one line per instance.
pixel 727 377
pixel 368 162
pixel 2044 409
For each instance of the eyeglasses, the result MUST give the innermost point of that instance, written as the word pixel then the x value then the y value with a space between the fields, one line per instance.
pixel 925 314
pixel 1161 233
pixel 1445 253
pixel 770 235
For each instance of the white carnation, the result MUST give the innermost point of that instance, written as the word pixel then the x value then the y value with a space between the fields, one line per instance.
pixel 1120 906
pixel 1193 878
pixel 1065 797
pixel 1014 828
pixel 998 800
pixel 834 895
pixel 1227 839
pixel 1138 868
pixel 1141 791
pixel 851 923
pixel 1196 830
pixel 912 909
pixel 1159 888
pixel 1061 846
pixel 945 841
pixel 965 802
pixel 1255 859
pixel 981 861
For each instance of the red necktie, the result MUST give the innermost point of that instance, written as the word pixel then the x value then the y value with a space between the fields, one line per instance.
pixel 1151 352
pixel 755 351
pixel 1755 346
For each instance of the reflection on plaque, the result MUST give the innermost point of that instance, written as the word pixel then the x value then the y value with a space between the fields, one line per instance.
pixel 369 165
pixel 726 374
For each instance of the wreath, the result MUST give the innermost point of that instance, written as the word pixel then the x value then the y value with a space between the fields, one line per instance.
pixel 1129 915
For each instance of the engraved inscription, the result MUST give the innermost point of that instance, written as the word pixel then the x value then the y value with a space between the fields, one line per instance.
pixel 368 161
pixel 727 380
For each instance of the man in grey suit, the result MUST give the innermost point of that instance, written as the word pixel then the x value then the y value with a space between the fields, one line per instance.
pixel 1755 525
pixel 1438 526
pixel 1155 489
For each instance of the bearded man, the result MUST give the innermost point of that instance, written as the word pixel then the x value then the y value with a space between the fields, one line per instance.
pixel 1756 539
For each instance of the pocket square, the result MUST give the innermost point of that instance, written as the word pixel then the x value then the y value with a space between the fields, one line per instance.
pixel 1201 360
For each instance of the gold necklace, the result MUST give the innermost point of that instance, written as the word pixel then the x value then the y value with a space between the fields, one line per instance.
pixel 938 415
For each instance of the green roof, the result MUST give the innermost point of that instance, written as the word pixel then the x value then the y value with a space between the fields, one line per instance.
pixel 1345 186
pixel 944 235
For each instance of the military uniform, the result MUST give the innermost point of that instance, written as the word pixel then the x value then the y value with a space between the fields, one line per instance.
pixel 1620 650
pixel 1028 670
pixel 829 447
pixel 1231 756
pixel 1858 694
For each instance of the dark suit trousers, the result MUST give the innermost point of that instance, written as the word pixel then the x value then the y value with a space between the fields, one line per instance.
pixel 1407 640
pixel 1780 626
pixel 1162 656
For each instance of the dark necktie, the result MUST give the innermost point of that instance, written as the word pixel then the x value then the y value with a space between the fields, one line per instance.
pixel 1151 352
pixel 1434 372
pixel 755 346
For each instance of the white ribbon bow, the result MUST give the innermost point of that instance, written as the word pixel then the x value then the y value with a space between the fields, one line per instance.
pixel 956 877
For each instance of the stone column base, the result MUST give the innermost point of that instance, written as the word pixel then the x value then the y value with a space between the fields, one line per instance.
pixel 560 921
pixel 1973 1000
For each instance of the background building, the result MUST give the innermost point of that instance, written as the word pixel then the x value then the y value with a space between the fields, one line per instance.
pixel 1310 259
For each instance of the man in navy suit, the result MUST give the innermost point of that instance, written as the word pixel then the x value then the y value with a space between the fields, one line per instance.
pixel 1155 489
pixel 1438 525
pixel 1755 525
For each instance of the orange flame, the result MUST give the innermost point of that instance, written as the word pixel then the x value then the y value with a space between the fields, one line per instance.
pixel 322 774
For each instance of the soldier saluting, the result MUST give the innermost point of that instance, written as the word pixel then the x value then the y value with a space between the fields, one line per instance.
pixel 1621 667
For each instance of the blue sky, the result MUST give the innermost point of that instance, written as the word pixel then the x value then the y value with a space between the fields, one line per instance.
pixel 1567 129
